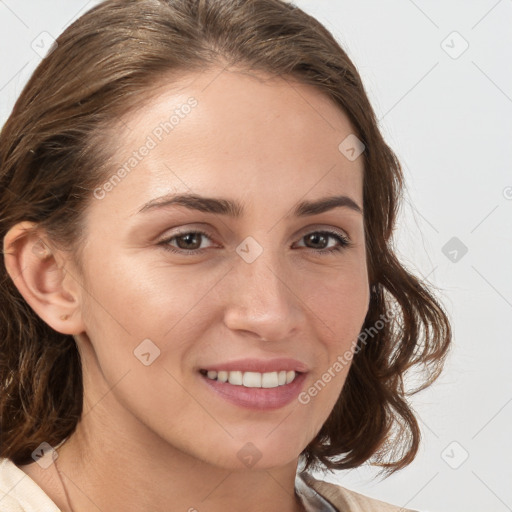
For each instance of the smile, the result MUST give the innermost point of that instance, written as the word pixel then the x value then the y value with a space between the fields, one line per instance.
pixel 252 379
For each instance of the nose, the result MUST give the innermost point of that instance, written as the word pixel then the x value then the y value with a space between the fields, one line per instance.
pixel 263 298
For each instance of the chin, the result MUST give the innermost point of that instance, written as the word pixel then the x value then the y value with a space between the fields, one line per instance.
pixel 258 454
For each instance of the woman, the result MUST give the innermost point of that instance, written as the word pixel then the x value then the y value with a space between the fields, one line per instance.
pixel 200 294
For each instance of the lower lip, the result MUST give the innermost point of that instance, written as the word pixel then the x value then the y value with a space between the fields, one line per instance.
pixel 257 398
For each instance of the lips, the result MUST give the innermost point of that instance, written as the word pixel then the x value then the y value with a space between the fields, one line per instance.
pixel 258 365
pixel 260 384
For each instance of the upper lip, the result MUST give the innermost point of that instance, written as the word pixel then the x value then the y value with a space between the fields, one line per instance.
pixel 258 365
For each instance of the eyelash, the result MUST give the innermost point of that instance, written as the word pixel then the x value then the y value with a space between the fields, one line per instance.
pixel 343 240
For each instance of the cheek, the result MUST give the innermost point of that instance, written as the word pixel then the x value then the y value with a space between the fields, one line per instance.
pixel 128 303
pixel 338 307
pixel 154 309
pixel 145 299
pixel 339 302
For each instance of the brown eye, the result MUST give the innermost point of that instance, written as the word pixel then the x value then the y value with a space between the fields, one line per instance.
pixel 188 242
pixel 319 241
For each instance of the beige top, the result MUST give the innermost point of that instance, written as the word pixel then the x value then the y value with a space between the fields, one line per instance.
pixel 345 500
pixel 19 493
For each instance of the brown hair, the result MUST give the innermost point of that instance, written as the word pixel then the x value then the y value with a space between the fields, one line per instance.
pixel 51 160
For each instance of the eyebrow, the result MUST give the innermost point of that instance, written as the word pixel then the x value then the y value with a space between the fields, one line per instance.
pixel 235 209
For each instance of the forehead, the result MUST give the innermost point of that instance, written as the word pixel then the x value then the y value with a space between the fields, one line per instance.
pixel 235 132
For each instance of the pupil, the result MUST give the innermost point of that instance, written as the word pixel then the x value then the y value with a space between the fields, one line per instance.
pixel 315 237
pixel 187 238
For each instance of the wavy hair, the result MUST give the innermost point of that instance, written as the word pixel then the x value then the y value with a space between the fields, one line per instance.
pixel 53 155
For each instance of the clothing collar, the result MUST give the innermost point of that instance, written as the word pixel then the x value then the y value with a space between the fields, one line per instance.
pixel 311 499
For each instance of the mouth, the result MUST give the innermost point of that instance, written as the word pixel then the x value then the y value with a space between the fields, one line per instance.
pixel 254 390
pixel 252 379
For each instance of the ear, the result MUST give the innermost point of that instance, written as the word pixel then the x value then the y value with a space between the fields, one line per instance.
pixel 42 275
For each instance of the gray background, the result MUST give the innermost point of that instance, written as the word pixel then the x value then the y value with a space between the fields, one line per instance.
pixel 447 111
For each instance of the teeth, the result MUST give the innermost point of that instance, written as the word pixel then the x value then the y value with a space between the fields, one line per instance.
pixel 253 379
pixel 235 378
pixel 270 380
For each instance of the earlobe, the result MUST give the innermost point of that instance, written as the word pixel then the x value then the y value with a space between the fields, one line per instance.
pixel 39 272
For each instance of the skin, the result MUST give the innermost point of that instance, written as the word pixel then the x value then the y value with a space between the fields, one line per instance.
pixel 155 435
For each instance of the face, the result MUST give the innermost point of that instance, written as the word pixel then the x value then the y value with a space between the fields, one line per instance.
pixel 252 280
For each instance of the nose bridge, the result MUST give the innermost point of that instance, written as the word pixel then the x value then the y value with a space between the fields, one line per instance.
pixel 261 296
pixel 263 272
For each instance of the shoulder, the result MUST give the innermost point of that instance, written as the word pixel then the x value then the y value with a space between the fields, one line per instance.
pixel 349 501
pixel 19 493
